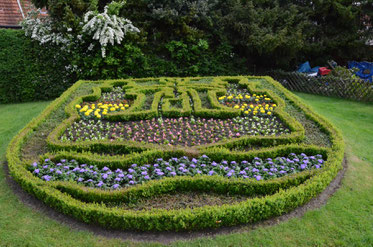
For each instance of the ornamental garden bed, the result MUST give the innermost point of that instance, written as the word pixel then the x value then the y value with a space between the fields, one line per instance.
pixel 172 154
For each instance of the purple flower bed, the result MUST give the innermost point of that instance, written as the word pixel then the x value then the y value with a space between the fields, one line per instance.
pixel 105 178
pixel 185 131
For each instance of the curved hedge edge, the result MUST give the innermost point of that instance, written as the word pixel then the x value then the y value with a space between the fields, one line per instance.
pixel 333 133
pixel 202 183
pixel 204 217
pixel 13 151
pixel 169 111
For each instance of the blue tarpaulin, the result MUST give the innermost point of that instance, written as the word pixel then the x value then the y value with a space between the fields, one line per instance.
pixel 365 69
pixel 306 68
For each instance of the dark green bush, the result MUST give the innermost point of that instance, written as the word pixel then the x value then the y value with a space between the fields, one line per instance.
pixel 267 34
pixel 28 72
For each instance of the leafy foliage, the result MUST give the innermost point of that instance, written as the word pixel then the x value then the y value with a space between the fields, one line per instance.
pixel 24 75
pixel 264 33
pixel 198 37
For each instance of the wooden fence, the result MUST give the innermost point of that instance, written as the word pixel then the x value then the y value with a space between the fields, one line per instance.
pixel 326 86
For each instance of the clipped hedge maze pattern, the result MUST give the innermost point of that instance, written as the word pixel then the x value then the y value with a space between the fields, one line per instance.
pixel 162 98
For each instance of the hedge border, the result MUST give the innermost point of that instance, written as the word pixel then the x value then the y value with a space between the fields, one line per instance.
pixel 205 217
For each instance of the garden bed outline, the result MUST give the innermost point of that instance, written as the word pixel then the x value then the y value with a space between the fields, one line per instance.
pixel 171 236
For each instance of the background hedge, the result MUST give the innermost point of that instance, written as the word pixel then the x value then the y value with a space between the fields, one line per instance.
pixel 27 71
pixel 189 38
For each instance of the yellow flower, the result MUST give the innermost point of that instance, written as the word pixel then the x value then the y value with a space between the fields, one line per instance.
pixel 112 109
pixel 269 113
pixel 236 106
pixel 98 116
pixel 246 112
pixel 104 112
pixel 247 96
pixel 230 97
pixel 122 108
pixel 78 106
pixel 87 113
pixel 262 111
pixel 251 106
pixel 120 104
pixel 274 105
pixel 256 100
pixel 126 105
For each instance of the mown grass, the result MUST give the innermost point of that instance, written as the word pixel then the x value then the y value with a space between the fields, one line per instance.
pixel 346 220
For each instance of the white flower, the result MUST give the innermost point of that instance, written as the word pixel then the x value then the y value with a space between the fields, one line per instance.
pixel 107 28
pixel 91 46
pixel 101 27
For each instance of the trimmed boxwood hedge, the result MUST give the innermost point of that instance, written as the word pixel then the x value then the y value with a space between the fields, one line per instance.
pixel 269 198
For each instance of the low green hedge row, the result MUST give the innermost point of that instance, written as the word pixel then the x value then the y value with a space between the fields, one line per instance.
pixel 280 196
pixel 208 184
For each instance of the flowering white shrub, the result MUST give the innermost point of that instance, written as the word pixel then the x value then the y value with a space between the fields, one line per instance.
pixel 107 28
pixel 40 29
pixel 104 28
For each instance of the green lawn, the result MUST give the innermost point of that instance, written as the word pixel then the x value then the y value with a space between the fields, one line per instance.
pixel 346 220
